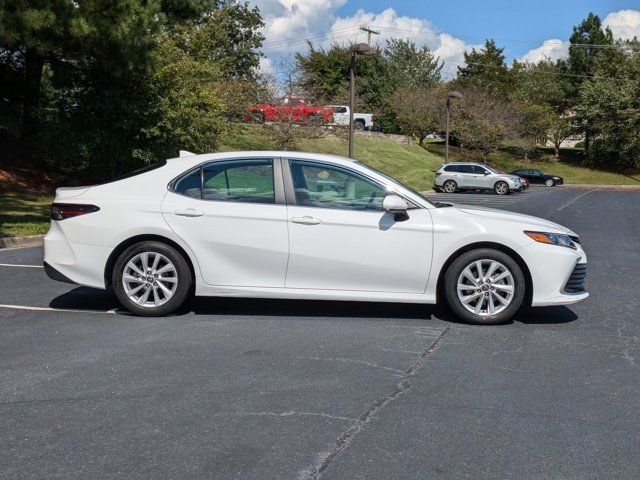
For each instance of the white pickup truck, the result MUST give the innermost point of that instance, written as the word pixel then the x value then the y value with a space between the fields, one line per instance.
pixel 361 121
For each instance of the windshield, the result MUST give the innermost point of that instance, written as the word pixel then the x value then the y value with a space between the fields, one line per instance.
pixel 396 181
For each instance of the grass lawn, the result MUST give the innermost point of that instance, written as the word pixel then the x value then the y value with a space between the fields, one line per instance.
pixel 24 214
pixel 415 166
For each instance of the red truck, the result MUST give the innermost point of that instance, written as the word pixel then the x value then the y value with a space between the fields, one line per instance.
pixel 289 109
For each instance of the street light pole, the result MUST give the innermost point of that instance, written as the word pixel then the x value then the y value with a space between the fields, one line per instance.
pixel 357 49
pixel 352 99
pixel 450 95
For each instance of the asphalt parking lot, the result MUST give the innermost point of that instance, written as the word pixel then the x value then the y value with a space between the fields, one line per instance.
pixel 238 389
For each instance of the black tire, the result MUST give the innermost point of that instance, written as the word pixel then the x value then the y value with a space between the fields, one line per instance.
pixel 549 182
pixel 450 186
pixel 359 125
pixel 451 287
pixel 501 188
pixel 183 286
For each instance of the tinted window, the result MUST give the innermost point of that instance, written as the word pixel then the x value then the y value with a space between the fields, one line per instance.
pixel 318 185
pixel 231 181
pixel 466 168
pixel 189 184
pixel 340 109
pixel 239 181
pixel 478 170
pixel 452 168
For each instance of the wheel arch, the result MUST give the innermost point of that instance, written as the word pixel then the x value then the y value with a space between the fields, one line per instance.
pixel 113 257
pixel 528 294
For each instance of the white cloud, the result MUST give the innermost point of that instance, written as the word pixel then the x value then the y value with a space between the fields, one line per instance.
pixel 290 23
pixel 550 50
pixel 266 67
pixel 624 24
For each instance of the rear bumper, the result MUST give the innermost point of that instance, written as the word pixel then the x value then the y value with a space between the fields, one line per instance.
pixel 70 262
pixel 54 274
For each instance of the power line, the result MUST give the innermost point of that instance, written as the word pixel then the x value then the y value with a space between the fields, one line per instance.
pixel 500 40
pixel 344 31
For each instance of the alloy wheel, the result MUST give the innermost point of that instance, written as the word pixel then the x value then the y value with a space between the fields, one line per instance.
pixel 502 188
pixel 450 186
pixel 149 279
pixel 485 287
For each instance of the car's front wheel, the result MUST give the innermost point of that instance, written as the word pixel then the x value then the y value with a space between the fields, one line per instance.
pixel 151 279
pixel 501 188
pixel 484 286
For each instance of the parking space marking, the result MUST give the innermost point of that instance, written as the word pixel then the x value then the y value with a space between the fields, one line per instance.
pixel 577 197
pixel 49 309
pixel 19 265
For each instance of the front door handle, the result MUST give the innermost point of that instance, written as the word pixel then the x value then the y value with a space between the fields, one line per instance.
pixel 189 212
pixel 306 220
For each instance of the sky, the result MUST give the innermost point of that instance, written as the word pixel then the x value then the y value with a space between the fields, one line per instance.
pixel 528 30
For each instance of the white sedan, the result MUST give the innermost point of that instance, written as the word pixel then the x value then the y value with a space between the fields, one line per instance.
pixel 305 226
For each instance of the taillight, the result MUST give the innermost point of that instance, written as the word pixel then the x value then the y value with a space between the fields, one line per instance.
pixel 438 174
pixel 61 211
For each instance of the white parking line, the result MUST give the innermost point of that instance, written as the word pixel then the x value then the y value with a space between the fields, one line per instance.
pixel 19 265
pixel 49 309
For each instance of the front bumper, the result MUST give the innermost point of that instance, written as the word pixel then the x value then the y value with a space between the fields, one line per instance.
pixel 552 273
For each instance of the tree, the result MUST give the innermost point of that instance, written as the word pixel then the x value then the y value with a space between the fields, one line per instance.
pixel 482 121
pixel 486 68
pixel 229 36
pixel 610 104
pixel 119 35
pixel 419 110
pixel 541 91
pixel 588 44
pixel 410 66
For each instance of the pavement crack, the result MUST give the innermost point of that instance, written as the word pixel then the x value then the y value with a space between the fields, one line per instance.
pixel 344 441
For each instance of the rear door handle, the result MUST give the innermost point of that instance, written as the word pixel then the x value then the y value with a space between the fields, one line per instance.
pixel 189 212
pixel 306 220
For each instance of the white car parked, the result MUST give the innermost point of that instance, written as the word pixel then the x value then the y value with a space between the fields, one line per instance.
pixel 458 176
pixel 305 226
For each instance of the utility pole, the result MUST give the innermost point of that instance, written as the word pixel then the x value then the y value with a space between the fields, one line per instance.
pixel 370 32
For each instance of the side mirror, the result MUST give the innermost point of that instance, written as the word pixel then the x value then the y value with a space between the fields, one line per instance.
pixel 394 203
pixel 486 172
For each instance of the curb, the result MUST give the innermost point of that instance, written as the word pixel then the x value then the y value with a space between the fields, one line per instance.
pixel 606 186
pixel 27 241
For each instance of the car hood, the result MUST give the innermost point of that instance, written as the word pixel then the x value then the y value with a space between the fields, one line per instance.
pixel 529 221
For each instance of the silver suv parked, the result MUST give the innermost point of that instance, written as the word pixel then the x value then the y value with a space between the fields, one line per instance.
pixel 454 177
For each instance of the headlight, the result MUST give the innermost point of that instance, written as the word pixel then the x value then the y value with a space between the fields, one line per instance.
pixel 552 238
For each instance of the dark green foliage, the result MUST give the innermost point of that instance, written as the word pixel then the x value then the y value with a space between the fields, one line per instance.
pixel 486 68
pixel 610 105
pixel 111 86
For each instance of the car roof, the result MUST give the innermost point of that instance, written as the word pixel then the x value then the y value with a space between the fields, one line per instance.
pixel 463 163
pixel 196 159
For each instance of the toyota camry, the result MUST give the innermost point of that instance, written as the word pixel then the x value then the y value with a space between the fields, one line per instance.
pixel 303 226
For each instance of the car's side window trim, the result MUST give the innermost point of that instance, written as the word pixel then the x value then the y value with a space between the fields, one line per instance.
pixel 290 195
pixel 277 177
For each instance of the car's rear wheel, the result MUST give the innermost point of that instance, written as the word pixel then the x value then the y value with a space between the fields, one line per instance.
pixel 501 188
pixel 549 182
pixel 484 286
pixel 359 125
pixel 151 279
pixel 450 186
